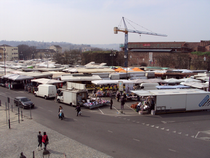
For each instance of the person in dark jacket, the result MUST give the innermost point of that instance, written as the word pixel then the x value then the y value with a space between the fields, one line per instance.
pixel 22 156
pixel 78 110
pixel 45 140
pixel 118 96
pixel 39 136
pixel 122 103
pixel 111 103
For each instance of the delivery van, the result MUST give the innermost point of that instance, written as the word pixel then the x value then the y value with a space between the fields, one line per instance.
pixel 46 90
pixel 72 97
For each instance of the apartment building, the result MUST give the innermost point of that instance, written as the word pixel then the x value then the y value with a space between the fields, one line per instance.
pixel 56 48
pixel 8 53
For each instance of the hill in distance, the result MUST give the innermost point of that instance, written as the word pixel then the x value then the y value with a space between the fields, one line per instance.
pixel 64 45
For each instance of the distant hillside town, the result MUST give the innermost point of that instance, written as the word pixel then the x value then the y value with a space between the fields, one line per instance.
pixel 180 55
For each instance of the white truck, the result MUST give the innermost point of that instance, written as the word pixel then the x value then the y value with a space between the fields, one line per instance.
pixel 46 90
pixel 178 100
pixel 72 97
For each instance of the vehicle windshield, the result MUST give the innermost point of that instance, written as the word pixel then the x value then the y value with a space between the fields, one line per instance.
pixel 25 99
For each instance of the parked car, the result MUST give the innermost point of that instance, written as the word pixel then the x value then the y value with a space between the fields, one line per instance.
pixel 23 102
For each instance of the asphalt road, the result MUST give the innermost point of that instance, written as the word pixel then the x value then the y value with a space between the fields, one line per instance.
pixel 125 135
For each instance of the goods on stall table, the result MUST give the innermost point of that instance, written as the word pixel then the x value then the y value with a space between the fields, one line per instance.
pixel 100 93
pixel 95 102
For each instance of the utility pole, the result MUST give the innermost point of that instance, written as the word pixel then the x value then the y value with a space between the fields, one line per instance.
pixel 4 61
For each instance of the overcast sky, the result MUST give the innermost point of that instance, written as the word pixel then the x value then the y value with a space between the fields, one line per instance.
pixel 92 21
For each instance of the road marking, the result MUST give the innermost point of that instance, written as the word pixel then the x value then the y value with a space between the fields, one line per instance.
pixel 50 110
pixel 167 129
pixel 147 124
pixel 134 121
pixel 187 134
pixel 75 119
pixel 152 125
pixel 110 131
pixel 180 133
pixel 157 127
pixel 40 107
pixel 197 134
pixel 172 150
pixel 167 122
pixel 193 136
pixel 101 111
pixel 143 123
pixel 203 135
pixel 18 92
pixel 162 128
pixel 116 109
pixel 136 140
pixel 137 122
pixel 131 108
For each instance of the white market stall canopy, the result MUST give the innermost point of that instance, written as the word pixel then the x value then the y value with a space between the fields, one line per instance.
pixel 172 80
pixel 168 92
pixel 56 74
pixel 71 85
pixel 153 80
pixel 173 87
pixel 86 70
pixel 37 74
pixel 80 78
pixel 19 77
pixel 16 77
pixel 189 80
pixel 46 81
pixel 104 82
pixel 196 84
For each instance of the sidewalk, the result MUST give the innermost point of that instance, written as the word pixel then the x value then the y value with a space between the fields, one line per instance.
pixel 22 137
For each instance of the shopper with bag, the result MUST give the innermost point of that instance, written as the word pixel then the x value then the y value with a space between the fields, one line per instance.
pixel 45 140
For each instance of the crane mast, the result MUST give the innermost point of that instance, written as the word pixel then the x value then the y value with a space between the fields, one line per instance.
pixel 126 30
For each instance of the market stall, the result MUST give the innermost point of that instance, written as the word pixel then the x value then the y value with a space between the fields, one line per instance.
pixel 95 103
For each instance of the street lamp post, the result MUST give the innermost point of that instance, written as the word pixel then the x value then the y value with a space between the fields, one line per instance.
pixel 112 55
pixel 4 62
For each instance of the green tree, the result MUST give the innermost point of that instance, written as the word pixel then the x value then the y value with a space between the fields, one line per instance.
pixel 25 52
pixel 68 57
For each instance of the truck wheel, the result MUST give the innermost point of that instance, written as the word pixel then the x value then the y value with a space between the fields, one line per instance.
pixel 45 97
pixel 35 95
pixel 58 100
pixel 70 104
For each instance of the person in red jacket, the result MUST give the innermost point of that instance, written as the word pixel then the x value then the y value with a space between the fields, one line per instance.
pixel 45 140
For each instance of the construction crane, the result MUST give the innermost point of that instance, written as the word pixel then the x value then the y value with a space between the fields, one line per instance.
pixel 126 30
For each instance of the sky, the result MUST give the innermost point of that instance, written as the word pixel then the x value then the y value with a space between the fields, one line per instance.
pixel 92 21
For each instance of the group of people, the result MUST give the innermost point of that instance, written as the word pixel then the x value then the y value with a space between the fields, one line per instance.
pixel 42 139
pixel 145 104
pixel 61 113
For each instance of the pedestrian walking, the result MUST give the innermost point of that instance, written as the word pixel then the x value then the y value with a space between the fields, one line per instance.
pixel 78 109
pixel 22 156
pixel 45 140
pixel 111 103
pixel 118 96
pixel 60 112
pixel 39 136
pixel 122 104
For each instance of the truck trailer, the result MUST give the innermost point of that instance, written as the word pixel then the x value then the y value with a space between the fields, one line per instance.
pixel 72 97
pixel 177 100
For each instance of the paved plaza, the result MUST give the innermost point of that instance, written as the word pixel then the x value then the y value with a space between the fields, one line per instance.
pixel 22 137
